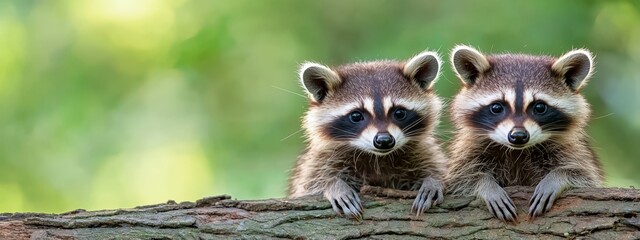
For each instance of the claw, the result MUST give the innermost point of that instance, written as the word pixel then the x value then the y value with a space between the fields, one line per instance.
pixel 493 210
pixel 510 207
pixel 417 202
pixel 500 205
pixel 356 213
pixel 334 205
pixel 344 200
pixel 542 201
pixel 535 200
pixel 532 198
pixel 505 208
pixel 430 194
pixel 440 198
pixel 357 199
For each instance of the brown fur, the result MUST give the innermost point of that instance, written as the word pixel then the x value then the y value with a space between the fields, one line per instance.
pixel 327 160
pixel 478 162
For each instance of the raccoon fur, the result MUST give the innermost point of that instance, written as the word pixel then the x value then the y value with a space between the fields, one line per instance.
pixel 371 123
pixel 520 120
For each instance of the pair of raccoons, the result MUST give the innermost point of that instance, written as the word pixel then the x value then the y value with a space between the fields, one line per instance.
pixel 519 120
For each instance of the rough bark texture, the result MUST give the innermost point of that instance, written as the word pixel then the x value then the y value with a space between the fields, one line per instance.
pixel 611 213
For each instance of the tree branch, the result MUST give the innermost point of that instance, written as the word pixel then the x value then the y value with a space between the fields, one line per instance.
pixel 610 213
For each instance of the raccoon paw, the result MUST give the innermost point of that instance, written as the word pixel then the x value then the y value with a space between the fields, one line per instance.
pixel 543 197
pixel 500 205
pixel 344 200
pixel 430 193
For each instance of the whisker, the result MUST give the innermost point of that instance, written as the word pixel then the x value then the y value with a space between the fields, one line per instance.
pixel 290 135
pixel 416 122
pixel 345 131
pixel 603 116
pixel 289 91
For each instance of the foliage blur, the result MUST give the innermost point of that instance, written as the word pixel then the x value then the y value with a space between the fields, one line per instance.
pixel 118 103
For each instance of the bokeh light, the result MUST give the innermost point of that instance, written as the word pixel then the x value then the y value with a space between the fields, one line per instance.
pixel 116 103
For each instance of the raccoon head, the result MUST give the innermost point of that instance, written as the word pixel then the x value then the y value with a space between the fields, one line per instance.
pixel 376 107
pixel 521 100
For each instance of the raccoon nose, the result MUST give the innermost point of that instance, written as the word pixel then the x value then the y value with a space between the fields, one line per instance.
pixel 518 136
pixel 383 141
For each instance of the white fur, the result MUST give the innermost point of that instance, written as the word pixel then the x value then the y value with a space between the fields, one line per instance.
pixel 472 55
pixel 510 98
pixel 574 105
pixel 501 133
pixel 472 103
pixel 331 78
pixel 387 104
pixel 397 133
pixel 368 106
pixel 564 63
pixel 413 65
pixel 536 135
pixel 528 98
pixel 321 116
pixel 415 105
pixel 365 140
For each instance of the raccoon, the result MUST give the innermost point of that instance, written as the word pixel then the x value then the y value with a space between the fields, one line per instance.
pixel 371 123
pixel 519 120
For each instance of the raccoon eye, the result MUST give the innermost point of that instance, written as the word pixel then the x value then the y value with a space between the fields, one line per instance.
pixel 356 116
pixel 540 108
pixel 400 114
pixel 496 108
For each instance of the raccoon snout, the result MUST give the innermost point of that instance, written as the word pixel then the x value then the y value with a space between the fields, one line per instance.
pixel 384 141
pixel 518 136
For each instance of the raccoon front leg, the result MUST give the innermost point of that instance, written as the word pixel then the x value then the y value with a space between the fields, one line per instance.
pixel 546 193
pixel 344 199
pixel 496 198
pixel 553 185
pixel 430 193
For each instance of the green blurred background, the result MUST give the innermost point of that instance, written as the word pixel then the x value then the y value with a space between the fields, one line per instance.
pixel 118 103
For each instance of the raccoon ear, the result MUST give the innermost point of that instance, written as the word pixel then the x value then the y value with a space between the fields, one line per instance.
pixel 318 80
pixel 468 63
pixel 575 67
pixel 424 68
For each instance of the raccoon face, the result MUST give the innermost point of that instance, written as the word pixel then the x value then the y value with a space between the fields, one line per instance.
pixel 520 100
pixel 376 107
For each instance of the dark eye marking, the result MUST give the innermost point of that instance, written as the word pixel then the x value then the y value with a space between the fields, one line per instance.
pixel 409 121
pixel 349 126
pixel 489 116
pixel 548 117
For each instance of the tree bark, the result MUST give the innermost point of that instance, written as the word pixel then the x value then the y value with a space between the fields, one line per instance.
pixel 610 213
